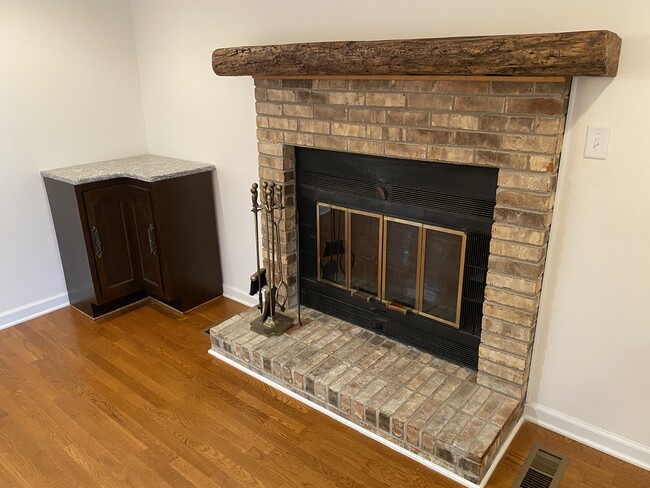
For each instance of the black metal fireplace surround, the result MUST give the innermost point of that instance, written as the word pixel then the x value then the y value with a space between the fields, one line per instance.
pixel 441 196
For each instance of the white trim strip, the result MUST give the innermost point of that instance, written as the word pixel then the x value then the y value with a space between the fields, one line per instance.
pixel 372 435
pixel 239 295
pixel 589 435
pixel 32 310
pixel 502 451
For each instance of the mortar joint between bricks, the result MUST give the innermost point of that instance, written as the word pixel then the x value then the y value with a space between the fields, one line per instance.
pixel 510 307
pixel 514 292
pixel 527 172
pixel 518 209
pixel 520 341
pixel 518 261
pixel 518 385
pixel 519 243
pixel 507 322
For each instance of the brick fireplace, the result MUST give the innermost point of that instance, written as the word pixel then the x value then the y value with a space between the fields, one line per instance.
pixel 355 97
pixel 515 126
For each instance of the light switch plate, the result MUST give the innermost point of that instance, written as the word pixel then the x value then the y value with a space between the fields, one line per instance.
pixel 597 143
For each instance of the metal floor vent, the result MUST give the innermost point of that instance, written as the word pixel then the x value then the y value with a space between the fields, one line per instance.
pixel 543 468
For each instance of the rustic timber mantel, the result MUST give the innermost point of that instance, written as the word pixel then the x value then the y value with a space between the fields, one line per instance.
pixel 588 53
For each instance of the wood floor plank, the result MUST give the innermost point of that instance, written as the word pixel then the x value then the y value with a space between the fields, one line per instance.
pixel 31 465
pixel 172 428
pixel 190 473
pixel 624 472
pixel 55 430
pixel 8 478
pixel 133 400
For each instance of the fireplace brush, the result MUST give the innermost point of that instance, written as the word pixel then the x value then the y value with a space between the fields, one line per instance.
pixel 271 287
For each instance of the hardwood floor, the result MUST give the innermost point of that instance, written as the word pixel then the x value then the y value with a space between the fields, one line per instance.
pixel 135 400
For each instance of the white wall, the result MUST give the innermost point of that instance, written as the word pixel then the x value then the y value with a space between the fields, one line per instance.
pixel 69 94
pixel 592 350
pixel 192 114
pixel 597 273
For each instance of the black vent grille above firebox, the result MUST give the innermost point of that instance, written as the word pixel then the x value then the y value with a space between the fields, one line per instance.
pixel 436 194
pixel 444 202
pixel 417 197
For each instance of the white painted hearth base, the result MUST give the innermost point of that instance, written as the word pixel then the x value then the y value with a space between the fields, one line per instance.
pixel 372 435
pixel 589 435
pixel 32 310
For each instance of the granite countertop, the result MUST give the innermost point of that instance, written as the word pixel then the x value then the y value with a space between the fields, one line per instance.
pixel 147 167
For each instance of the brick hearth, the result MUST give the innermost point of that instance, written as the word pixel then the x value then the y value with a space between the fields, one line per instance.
pixel 428 406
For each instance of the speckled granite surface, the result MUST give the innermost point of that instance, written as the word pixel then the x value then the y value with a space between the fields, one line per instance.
pixel 147 167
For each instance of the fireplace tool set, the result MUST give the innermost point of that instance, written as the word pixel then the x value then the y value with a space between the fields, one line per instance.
pixel 270 286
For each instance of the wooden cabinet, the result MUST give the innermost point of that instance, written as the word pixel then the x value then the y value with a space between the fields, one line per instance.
pixel 123 239
pixel 144 238
pixel 108 214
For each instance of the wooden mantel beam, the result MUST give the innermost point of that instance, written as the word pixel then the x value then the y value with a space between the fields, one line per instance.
pixel 589 53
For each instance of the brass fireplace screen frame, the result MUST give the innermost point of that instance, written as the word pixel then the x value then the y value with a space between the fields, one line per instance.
pixel 383 222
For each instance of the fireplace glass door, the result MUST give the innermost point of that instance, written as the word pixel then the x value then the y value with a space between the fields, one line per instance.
pixel 365 251
pixel 332 232
pixel 401 270
pixel 443 259
pixel 409 266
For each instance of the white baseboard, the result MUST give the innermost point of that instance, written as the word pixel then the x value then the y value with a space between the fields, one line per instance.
pixel 590 435
pixel 372 435
pixel 32 310
pixel 239 295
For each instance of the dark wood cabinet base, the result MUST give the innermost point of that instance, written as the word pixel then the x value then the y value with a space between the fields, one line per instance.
pixel 112 306
pixel 122 240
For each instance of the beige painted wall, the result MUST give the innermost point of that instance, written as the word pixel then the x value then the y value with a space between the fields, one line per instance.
pixel 597 268
pixel 69 94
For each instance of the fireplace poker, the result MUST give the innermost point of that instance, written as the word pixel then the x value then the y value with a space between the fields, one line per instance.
pixel 270 222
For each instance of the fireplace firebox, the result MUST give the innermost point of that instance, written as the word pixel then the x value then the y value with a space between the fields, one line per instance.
pixel 398 247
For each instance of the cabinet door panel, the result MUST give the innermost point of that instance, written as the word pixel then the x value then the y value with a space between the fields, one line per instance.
pixel 108 221
pixel 145 240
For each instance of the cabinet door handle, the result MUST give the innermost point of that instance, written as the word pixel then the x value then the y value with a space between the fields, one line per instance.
pixel 97 243
pixel 153 248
